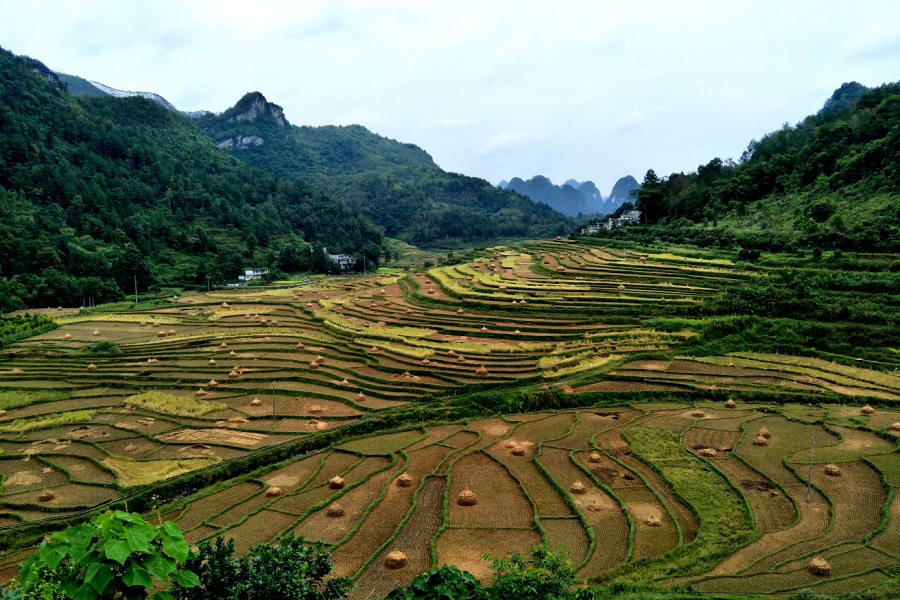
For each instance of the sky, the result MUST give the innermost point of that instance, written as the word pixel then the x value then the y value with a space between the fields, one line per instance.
pixel 589 90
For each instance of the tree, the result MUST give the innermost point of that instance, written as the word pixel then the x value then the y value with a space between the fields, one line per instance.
pixel 650 198
pixel 115 555
pixel 289 570
pixel 446 583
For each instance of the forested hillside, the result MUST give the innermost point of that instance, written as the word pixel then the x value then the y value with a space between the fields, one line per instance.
pixel 96 190
pixel 397 185
pixel 833 180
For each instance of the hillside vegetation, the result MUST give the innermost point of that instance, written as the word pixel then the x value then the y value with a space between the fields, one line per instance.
pixel 833 180
pixel 98 190
pixel 397 185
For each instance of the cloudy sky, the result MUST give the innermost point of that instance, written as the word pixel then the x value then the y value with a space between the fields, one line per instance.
pixel 585 90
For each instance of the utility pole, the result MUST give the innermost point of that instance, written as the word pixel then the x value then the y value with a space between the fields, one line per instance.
pixel 207 286
pixel 135 291
pixel 273 406
pixel 809 478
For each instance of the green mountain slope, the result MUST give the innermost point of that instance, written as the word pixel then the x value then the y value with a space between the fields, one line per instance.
pixel 833 180
pixel 95 190
pixel 397 185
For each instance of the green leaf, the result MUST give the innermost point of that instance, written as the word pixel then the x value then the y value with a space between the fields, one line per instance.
pixel 98 575
pixel 159 566
pixel 86 592
pixel 163 596
pixel 137 575
pixel 187 579
pixel 177 548
pixel 138 537
pixel 117 550
pixel 172 529
pixel 124 516
pixel 52 554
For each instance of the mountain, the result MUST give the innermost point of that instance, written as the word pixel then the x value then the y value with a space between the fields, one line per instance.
pixel 572 183
pixel 96 190
pixel 565 198
pixel 620 192
pixel 503 184
pixel 397 185
pixel 593 196
pixel 831 181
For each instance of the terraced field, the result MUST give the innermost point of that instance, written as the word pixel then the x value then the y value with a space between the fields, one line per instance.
pixel 253 414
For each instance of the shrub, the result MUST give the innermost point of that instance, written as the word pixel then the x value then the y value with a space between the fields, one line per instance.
pixel 446 583
pixel 106 348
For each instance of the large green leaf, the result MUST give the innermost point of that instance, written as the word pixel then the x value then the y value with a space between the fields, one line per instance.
pixel 172 529
pixel 86 592
pixel 137 575
pixel 117 550
pixel 159 566
pixel 139 536
pixel 98 575
pixel 177 548
pixel 163 596
pixel 52 554
pixel 187 579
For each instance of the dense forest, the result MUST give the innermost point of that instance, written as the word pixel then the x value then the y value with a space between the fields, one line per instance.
pixel 833 180
pixel 397 185
pixel 95 191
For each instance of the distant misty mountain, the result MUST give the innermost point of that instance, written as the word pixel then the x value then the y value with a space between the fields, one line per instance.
pixel 502 185
pixel 565 198
pixel 573 197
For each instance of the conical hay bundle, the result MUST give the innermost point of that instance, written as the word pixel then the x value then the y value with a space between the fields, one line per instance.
pixel 653 521
pixel 832 470
pixel 460 312
pixel 313 365
pixel 233 375
pixel 819 567
pixel 46 496
pixel 263 321
pixel 451 353
pixel 761 441
pixel 161 334
pixel 502 287
pixel 730 403
pixel 336 483
pixel 517 331
pixel 3 413
pixel 425 361
pixel 212 363
pixel 143 324
pixel 273 492
pixel 212 383
pixel 92 367
pixel 698 414
pixel 256 402
pixel 96 332
pixel 707 452
pixel 232 353
pixel 300 346
pixel 594 506
pixel 578 488
pixel 223 345
pixel 595 458
pixel 461 359
pixel 518 450
pixel 409 311
pixel 224 305
pixel 482 370
pixel 467 498
pixel 68 336
pixel 867 410
pixel 316 409
pixel 484 328
pixel 373 349
pixel 132 448
pixel 200 393
pixel 335 510
pixel 404 481
pixel 381 324
pixel 430 292
pixel 396 560
pixel 763 432
pixel 320 359
pixel 895 426
pixel 309 305
pixel 155 324
pixel 510 444
pixel 345 382
pixel 360 396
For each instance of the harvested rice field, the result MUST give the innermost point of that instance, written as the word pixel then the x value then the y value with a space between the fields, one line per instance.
pixel 463 410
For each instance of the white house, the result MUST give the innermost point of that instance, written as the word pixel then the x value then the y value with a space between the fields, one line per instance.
pixel 344 260
pixel 250 274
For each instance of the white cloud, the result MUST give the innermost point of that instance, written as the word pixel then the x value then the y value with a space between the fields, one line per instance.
pixel 628 121
pixel 499 143
pixel 454 123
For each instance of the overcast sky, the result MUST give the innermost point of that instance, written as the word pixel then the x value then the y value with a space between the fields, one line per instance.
pixel 585 90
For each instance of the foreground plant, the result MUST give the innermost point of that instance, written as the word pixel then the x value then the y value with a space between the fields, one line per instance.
pixel 115 555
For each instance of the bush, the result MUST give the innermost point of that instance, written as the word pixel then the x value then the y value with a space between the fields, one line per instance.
pixel 105 348
pixel 748 254
pixel 446 583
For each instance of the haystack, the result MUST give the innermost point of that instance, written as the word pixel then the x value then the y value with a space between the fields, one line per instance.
pixel 223 345
pixel 483 328
pixel 730 403
pixel 396 560
pixel 510 444
pixel 212 363
pixel 451 353
pixel 595 458
pixel 425 361
pixel 467 498
pixel 409 311
pixel 832 470
pixel 313 365
pixel 653 521
pixel 517 331
pixel 273 492
pixel 233 375
pixel 482 370
pixel 698 414
pixel 212 383
pixel 895 426
pixel 518 450
pixel 316 409
pixel 578 488
pixel 360 396
pixel 96 332
pixel 867 410
pixel 143 324
pixel 237 421
pixel 68 336
pixel 644 258
pixel 621 288
pixel 819 567
pixel 404 481
pixel 92 367
pixel 502 287
pixel 263 322
pixel 155 324
pixel 335 510
pixel 201 392
pixel 256 402
pixel 225 305
pixel 300 346
pixel 373 349
pixel 132 448
pixel 461 359
pixel 594 506
pixel 161 334
pixel 761 441
pixel 336 483
pixel 522 302
pixel 320 359
pixel 46 496
pixel 3 413
pixel 707 452
pixel 460 312
pixel 345 382
pixel 232 353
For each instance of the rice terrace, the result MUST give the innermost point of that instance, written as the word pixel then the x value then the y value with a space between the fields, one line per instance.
pixel 569 392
